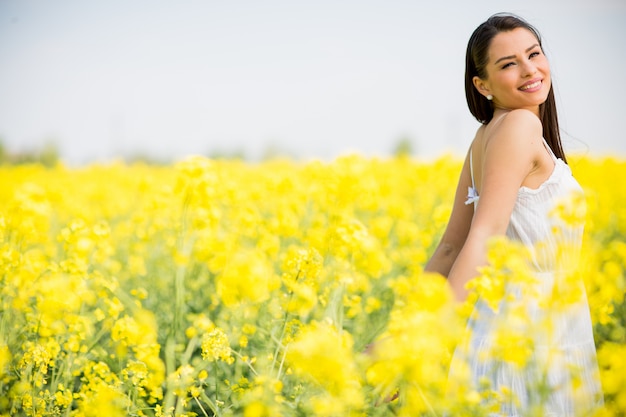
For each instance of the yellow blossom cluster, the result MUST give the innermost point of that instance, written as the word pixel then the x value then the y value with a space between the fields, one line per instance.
pixel 281 288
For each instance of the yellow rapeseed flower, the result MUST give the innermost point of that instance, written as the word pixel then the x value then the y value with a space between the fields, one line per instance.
pixel 323 355
pixel 299 264
pixel 215 346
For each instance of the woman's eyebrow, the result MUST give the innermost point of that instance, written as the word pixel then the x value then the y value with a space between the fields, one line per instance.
pixel 513 56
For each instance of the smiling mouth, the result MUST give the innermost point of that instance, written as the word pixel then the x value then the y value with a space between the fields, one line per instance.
pixel 529 86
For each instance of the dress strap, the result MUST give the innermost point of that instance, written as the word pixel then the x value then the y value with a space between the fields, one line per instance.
pixel 472 169
pixel 545 143
pixel 492 123
pixel 472 195
pixel 497 120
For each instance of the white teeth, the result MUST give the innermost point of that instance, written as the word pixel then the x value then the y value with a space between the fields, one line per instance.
pixel 533 85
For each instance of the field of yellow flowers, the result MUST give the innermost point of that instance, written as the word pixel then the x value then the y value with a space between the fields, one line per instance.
pixel 225 288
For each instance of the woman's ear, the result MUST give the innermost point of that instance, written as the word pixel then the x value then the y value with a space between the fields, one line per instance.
pixel 481 86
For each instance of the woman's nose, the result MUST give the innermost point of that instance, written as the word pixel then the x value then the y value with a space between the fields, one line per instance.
pixel 528 68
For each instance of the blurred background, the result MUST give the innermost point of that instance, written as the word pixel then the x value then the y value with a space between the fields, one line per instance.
pixel 92 81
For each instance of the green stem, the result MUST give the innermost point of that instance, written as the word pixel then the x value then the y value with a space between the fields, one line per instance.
pixel 282 362
pixel 237 354
pixel 211 405
pixel 431 410
pixel 215 370
pixel 279 341
pixel 179 300
pixel 170 367
pixel 201 408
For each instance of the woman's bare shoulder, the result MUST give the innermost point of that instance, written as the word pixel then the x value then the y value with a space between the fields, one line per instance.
pixel 520 120
pixel 516 128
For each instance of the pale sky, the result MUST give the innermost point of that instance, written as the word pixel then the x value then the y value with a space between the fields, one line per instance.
pixel 315 79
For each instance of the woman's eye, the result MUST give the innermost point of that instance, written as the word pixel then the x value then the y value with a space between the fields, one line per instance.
pixel 508 64
pixel 534 54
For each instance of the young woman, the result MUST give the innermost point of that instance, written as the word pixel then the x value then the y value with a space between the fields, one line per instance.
pixel 516 173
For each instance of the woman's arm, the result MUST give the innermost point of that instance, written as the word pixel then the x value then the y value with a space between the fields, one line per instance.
pixel 511 154
pixel 457 229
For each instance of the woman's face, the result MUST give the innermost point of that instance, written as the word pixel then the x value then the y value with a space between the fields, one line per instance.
pixel 518 73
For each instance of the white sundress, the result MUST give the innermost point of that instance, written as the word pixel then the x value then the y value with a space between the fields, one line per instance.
pixel 561 376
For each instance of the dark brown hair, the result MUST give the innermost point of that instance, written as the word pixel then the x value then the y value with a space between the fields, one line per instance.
pixel 475 61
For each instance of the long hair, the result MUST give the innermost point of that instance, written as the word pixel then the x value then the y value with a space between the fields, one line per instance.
pixel 475 62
